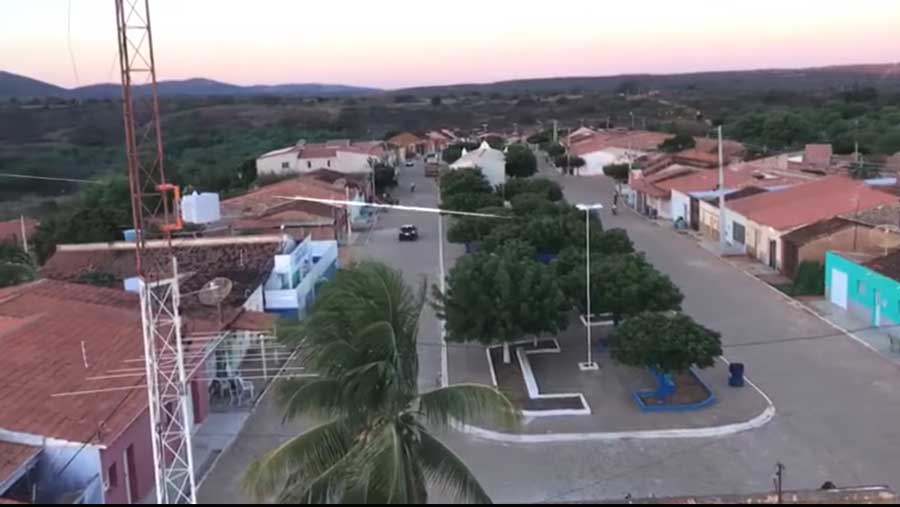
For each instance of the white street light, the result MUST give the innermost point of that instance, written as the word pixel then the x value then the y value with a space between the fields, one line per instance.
pixel 590 365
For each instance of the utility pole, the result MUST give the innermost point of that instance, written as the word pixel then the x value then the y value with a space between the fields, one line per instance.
pixel 856 142
pixel 607 123
pixel 555 131
pixel 24 233
pixel 632 119
pixel 779 482
pixel 722 239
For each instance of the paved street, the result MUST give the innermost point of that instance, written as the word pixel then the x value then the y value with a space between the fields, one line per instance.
pixel 838 406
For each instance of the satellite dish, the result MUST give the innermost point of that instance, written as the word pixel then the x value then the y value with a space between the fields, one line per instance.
pixel 215 291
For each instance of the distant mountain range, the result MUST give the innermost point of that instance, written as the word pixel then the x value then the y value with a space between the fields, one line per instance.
pixel 14 85
pixel 818 78
pixel 886 76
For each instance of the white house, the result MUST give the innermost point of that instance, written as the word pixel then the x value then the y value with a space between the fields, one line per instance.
pixel 303 158
pixel 491 162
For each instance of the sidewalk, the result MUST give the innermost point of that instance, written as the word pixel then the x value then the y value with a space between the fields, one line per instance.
pixel 878 339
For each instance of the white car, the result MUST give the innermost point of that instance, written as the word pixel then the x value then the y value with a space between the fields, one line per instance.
pixel 410 163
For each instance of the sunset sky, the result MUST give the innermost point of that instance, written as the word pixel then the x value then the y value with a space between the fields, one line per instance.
pixel 398 43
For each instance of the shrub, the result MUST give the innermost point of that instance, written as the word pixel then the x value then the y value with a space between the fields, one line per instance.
pixel 810 279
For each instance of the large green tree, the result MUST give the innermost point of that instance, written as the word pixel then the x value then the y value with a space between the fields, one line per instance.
pixel 668 342
pixel 501 298
pixel 621 284
pixel 375 444
pixel 520 161
pixel 467 190
pixel 474 229
pixel 678 142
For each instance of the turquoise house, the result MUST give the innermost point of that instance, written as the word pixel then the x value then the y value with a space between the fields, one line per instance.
pixel 866 287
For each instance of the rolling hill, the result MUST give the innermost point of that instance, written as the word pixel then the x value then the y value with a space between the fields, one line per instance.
pixel 835 77
pixel 21 87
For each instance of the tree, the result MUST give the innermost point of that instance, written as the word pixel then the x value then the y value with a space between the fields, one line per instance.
pixel 553 149
pixel 618 172
pixel 453 152
pixel 621 284
pixel 360 338
pixel 501 298
pixel 679 142
pixel 520 161
pixel 495 142
pixel 474 229
pixel 548 189
pixel 16 265
pixel 863 171
pixel 385 177
pixel 667 342
pixel 436 101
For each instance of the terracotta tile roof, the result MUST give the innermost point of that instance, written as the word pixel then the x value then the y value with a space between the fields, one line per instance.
pixel 11 230
pixel 736 176
pixel 259 202
pixel 888 214
pixel 810 202
pixel 317 151
pixel 733 196
pixel 404 139
pixel 13 457
pixel 43 357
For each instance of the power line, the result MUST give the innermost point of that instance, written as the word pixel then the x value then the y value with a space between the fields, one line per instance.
pixel 69 43
pixel 49 178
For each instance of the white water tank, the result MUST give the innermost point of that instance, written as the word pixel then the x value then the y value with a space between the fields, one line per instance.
pixel 200 208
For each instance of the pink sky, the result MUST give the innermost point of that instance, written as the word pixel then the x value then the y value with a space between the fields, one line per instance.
pixel 397 43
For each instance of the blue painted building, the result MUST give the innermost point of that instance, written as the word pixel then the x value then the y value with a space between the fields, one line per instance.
pixel 298 274
pixel 865 286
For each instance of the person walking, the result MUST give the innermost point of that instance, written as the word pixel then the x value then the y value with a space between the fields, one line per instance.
pixel 615 206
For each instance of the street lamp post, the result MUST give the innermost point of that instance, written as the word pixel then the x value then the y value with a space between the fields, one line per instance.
pixel 445 360
pixel 590 365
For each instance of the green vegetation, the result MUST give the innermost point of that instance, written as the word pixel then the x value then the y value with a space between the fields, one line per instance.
pixel 375 444
pixel 453 152
pixel 522 296
pixel 16 266
pixel 619 172
pixel 665 341
pixel 520 161
pixel 809 280
pixel 467 190
pixel 677 143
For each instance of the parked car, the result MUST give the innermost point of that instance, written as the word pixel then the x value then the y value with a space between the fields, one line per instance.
pixel 409 233
pixel 410 163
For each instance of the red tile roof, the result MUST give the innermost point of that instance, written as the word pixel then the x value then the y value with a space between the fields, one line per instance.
pixel 810 202
pixel 317 151
pixel 404 139
pixel 11 230
pixel 42 356
pixel 13 457
pixel 736 176
pixel 260 202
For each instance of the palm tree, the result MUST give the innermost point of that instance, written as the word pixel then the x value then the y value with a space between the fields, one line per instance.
pixel 16 266
pixel 375 446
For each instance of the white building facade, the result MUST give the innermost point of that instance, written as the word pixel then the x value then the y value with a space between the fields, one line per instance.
pixel 491 162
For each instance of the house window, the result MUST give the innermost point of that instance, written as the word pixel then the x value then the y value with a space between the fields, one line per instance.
pixel 861 288
pixel 739 233
pixel 329 163
pixel 112 477
pixel 285 165
pixel 309 165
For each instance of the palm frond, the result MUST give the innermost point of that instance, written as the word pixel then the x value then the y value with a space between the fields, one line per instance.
pixel 467 403
pixel 319 397
pixel 301 459
pixel 445 470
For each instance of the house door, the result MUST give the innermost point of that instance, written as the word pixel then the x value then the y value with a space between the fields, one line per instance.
pixel 773 254
pixel 838 289
pixel 695 214
pixel 130 475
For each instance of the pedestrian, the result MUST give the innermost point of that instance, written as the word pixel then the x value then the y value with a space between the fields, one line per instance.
pixel 615 206
pixel 412 187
